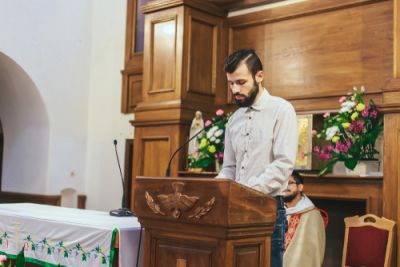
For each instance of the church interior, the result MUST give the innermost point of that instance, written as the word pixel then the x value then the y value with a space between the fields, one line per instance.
pixel 85 83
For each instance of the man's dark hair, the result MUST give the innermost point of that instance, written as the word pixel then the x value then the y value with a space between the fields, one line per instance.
pixel 250 58
pixel 297 177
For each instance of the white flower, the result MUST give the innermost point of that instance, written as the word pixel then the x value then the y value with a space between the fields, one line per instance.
pixel 331 131
pixel 211 132
pixel 217 141
pixel 347 106
pixel 219 133
pixel 212 139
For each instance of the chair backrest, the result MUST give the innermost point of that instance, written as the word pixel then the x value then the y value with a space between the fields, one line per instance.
pixel 368 241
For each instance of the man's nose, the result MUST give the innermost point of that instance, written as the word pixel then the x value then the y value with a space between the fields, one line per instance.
pixel 235 88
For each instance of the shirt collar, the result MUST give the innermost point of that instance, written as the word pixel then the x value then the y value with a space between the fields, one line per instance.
pixel 261 103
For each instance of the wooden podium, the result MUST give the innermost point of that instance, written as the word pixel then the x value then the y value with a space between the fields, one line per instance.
pixel 198 222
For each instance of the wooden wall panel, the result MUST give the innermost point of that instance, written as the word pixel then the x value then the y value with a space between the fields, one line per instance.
pixel 154 144
pixel 15 197
pixel 135 90
pixel 206 44
pixel 155 154
pixel 132 91
pixel 391 165
pixel 162 67
pixel 133 69
pixel 202 57
pixel 162 55
pixel 325 53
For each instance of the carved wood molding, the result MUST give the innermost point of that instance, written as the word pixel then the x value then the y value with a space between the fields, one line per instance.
pixel 301 9
pixel 201 5
pixel 391 97
pixel 178 203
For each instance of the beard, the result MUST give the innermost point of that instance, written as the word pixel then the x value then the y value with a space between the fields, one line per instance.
pixel 248 100
pixel 289 198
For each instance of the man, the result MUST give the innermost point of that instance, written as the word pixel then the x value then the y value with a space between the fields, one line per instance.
pixel 260 138
pixel 305 238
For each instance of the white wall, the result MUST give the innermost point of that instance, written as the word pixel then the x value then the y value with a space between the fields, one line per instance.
pixel 106 122
pixel 25 125
pixel 72 51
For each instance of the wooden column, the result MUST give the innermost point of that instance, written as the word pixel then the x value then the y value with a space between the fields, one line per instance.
pixel 391 106
pixel 184 47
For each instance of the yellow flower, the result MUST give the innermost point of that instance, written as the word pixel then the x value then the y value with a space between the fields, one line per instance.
pixel 335 139
pixel 212 149
pixel 203 143
pixel 354 116
pixel 346 125
pixel 360 107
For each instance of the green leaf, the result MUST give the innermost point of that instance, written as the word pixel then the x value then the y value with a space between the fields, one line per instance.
pixel 328 167
pixel 351 163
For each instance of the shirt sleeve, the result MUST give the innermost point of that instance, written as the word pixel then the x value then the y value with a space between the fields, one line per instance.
pixel 275 176
pixel 229 166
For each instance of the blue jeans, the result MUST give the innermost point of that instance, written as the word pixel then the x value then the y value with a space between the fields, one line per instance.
pixel 278 236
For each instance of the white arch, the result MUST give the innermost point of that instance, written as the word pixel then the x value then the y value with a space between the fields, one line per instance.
pixel 26 130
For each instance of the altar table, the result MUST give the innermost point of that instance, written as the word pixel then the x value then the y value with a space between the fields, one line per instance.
pixel 59 236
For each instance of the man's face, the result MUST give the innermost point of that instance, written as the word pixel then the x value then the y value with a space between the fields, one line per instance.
pixel 292 191
pixel 245 87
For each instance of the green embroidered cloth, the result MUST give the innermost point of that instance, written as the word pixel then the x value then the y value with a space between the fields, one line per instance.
pixel 57 236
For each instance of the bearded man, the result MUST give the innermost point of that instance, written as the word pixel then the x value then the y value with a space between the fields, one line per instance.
pixel 260 139
pixel 305 237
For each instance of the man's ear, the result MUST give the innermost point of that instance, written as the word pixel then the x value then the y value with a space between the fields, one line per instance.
pixel 300 187
pixel 259 76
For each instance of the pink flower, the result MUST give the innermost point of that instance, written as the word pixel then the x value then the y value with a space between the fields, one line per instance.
pixel 316 149
pixel 313 133
pixel 207 123
pixel 342 99
pixel 195 151
pixel 3 258
pixel 221 155
pixel 356 126
pixel 302 155
pixel 364 113
pixel 219 112
pixel 326 115
pixel 374 114
pixel 343 147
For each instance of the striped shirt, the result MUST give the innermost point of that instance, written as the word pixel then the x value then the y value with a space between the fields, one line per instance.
pixel 261 145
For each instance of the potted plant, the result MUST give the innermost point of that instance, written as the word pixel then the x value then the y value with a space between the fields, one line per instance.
pixel 350 134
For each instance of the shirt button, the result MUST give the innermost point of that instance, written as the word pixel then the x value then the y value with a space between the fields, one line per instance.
pixel 250 118
pixel 247 134
pixel 242 167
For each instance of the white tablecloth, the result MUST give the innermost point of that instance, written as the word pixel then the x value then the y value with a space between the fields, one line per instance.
pixel 67 237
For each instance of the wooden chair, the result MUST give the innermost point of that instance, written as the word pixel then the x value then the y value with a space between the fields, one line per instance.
pixel 368 241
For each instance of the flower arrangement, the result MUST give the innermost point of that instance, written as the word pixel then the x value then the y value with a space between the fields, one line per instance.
pixel 350 135
pixel 210 144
